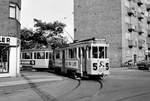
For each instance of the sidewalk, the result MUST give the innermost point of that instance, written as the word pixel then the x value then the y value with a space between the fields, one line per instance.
pixel 11 81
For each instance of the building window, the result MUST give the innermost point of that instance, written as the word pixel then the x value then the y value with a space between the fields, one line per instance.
pixel 14 11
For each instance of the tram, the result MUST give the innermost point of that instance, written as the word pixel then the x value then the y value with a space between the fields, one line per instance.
pixel 83 58
pixel 38 59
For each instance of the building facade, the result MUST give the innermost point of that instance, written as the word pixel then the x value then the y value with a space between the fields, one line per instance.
pixel 123 23
pixel 9 37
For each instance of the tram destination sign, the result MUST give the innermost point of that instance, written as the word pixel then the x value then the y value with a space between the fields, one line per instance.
pixel 5 40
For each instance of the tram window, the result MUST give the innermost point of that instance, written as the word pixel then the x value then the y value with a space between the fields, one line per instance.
pixel 35 57
pixel 74 52
pixel 106 52
pixel 50 55
pixel 95 52
pixel 70 53
pixel 89 52
pixel 40 55
pixel 83 52
pixel 101 52
pixel 57 55
pixel 79 52
pixel 46 55
pixel 27 55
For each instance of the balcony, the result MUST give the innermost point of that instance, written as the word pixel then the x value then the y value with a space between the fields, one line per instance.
pixel 148 33
pixel 140 29
pixel 148 40
pixel 139 3
pixel 140 16
pixel 148 20
pixel 148 7
pixel 131 28
pixel 131 11
pixel 148 46
pixel 130 43
pixel 140 44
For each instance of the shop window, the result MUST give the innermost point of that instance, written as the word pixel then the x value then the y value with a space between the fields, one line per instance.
pixel 4 59
pixel 14 11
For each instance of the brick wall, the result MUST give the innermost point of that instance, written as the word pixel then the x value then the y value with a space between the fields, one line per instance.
pixel 8 27
pixel 100 19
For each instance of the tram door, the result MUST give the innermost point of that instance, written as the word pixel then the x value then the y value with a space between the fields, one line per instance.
pixel 63 61
pixel 4 59
pixel 82 58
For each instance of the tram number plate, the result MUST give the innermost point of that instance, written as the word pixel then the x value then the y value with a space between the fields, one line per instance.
pixel 95 65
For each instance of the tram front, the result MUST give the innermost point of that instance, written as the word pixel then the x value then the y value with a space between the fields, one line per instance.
pixel 99 61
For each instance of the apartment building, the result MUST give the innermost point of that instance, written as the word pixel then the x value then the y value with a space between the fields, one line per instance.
pixel 125 24
pixel 9 37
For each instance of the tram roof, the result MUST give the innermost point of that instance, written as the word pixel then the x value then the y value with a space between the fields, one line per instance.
pixel 86 42
pixel 90 41
pixel 42 49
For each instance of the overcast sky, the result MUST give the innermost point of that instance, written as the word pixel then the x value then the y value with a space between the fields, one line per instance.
pixel 47 10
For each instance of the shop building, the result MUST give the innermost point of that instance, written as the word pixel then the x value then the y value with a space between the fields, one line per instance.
pixel 123 23
pixel 9 37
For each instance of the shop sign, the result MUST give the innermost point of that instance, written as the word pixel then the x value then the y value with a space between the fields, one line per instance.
pixel 5 40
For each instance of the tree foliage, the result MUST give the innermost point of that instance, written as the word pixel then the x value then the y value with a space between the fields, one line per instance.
pixel 45 35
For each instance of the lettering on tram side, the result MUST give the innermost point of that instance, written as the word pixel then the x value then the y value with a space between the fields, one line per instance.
pixel 58 63
pixel 25 62
pixel 71 64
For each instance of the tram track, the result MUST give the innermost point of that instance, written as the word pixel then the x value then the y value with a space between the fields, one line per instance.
pixel 43 95
pixel 88 96
pixel 76 86
pixel 73 89
pixel 100 86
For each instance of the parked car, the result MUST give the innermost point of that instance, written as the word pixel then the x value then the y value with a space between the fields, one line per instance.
pixel 143 65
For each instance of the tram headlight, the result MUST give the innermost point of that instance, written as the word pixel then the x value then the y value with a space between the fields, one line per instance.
pixel 107 66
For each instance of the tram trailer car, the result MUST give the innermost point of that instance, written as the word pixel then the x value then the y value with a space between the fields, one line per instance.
pixel 39 59
pixel 84 58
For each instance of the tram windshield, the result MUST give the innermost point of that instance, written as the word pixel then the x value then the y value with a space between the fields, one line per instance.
pixel 40 55
pixel 99 52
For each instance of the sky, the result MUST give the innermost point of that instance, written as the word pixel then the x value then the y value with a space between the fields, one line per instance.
pixel 48 11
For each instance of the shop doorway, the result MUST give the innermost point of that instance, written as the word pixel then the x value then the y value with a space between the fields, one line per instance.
pixel 4 58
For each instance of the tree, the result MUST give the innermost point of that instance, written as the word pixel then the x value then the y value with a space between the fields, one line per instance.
pixel 50 33
pixel 45 35
pixel 26 38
